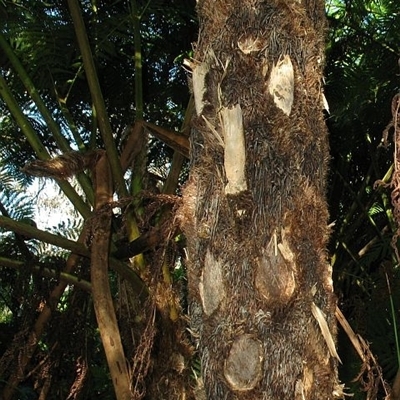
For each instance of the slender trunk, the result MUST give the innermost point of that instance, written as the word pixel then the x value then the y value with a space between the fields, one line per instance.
pixel 255 215
pixel 102 298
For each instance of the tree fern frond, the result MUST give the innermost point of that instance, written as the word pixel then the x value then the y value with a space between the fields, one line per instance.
pixel 14 150
pixel 17 204
pixel 45 251
pixel 6 179
pixel 376 209
pixel 69 228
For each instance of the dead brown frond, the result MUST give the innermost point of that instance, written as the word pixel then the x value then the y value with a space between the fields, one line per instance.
pixel 63 166
pixel 142 357
pixel 80 379
pixel 370 376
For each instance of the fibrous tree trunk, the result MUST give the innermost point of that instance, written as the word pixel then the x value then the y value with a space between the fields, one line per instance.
pixel 255 215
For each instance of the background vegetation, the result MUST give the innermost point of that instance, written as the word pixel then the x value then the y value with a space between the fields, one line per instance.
pixel 48 107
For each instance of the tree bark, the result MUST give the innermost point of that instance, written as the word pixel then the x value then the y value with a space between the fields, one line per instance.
pixel 254 213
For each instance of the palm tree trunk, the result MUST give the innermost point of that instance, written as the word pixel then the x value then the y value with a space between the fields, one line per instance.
pixel 255 215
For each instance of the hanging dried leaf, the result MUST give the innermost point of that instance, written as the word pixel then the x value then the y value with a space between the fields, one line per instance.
pixel 326 333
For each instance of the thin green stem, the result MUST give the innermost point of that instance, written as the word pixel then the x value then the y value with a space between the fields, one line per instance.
pixel 139 169
pixel 33 92
pixel 32 232
pixel 97 97
pixel 38 147
pixel 44 111
pixel 40 269
pixel 22 121
pixel 141 159
pixel 394 320
pixel 138 61
pixel 171 183
pixel 75 247
pixel 70 121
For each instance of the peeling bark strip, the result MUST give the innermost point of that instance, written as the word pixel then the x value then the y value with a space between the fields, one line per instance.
pixel 234 146
pixel 255 215
pixel 281 84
